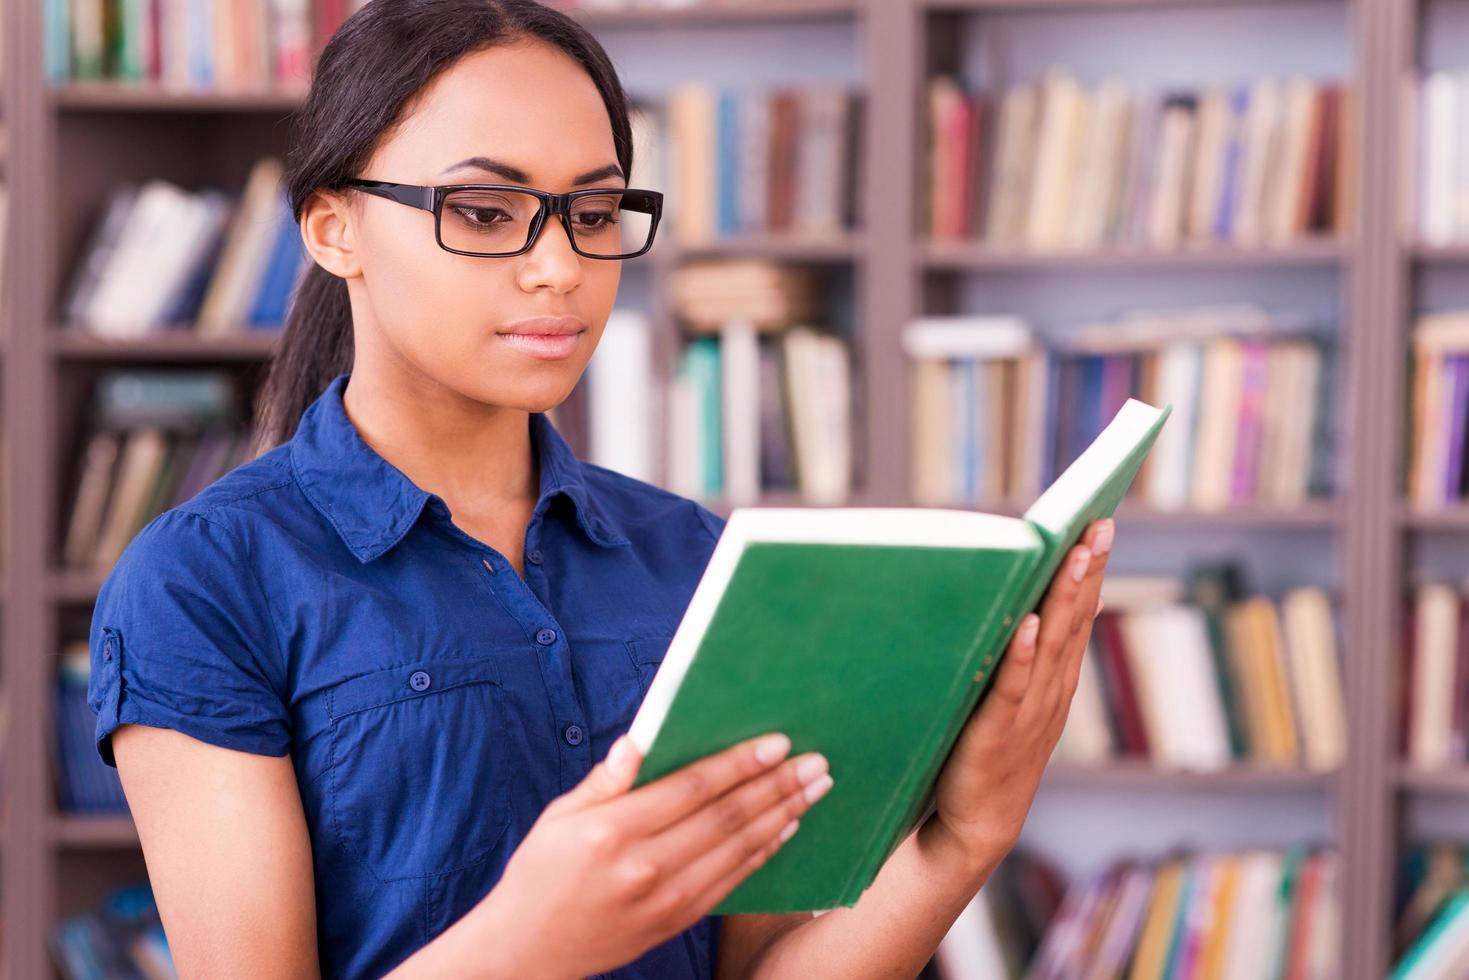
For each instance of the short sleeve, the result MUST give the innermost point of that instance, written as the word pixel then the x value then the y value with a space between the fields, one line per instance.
pixel 181 638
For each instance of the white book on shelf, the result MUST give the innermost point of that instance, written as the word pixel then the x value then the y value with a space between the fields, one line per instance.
pixel 114 308
pixel 1063 109
pixel 1310 643
pixel 1441 92
pixel 1257 924
pixel 1214 131
pixel 1260 159
pixel 246 249
pixel 1098 181
pixel 685 436
pixel 966 335
pixel 930 459
pixel 971 950
pixel 1435 653
pixel 739 361
pixel 1218 424
pixel 1085 738
pixel 1179 366
pixel 1167 209
pixel 620 394
pixel 1288 184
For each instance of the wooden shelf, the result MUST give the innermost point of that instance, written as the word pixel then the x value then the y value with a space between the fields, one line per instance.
pixel 1138 774
pixel 1444 254
pixel 175 345
pixel 721 13
pixel 110 96
pixel 1451 518
pixel 87 832
pixel 785 247
pixel 1452 779
pixel 979 257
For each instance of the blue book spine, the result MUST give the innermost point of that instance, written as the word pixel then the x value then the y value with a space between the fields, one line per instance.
pixel 57 50
pixel 1089 419
pixel 1239 104
pixel 729 162
pixel 965 444
pixel 281 274
pixel 201 37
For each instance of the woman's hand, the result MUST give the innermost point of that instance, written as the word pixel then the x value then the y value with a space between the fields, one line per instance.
pixel 606 874
pixel 990 779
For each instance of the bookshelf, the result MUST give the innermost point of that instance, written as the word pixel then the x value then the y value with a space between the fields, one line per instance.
pixel 69 144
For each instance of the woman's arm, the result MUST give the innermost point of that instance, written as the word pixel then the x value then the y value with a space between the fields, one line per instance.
pixel 229 859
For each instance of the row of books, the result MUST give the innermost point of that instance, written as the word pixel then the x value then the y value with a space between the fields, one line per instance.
pixel 160 257
pixel 190 44
pixel 1250 914
pixel 1204 676
pixel 122 938
pixel 159 437
pixel 1055 166
pixel 84 783
pixel 752 412
pixel 785 161
pixel 999 931
pixel 1438 466
pixel 996 414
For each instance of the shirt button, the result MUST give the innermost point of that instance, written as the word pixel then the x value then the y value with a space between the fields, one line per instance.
pixel 418 680
pixel 546 637
pixel 533 556
pixel 573 734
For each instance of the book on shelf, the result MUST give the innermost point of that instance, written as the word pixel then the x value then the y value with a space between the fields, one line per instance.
pixel 157 438
pixel 123 937
pixel 163 258
pixel 995 409
pixel 1054 166
pixel 753 411
pixel 999 931
pixel 793 628
pixel 784 161
pixel 1253 913
pixel 84 783
pixel 1438 406
pixel 1434 696
pixel 1431 912
pixel 1201 676
pixel 1435 188
pixel 190 45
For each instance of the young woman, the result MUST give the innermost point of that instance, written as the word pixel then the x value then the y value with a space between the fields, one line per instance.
pixel 365 692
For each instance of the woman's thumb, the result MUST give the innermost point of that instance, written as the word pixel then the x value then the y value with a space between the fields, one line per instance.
pixel 611 777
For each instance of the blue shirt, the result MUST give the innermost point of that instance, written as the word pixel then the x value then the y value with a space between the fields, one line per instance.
pixel 315 601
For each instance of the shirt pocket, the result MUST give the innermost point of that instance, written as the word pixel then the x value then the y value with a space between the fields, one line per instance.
pixel 420 766
pixel 647 655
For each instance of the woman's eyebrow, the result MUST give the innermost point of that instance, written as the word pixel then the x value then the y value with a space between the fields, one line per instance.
pixel 516 175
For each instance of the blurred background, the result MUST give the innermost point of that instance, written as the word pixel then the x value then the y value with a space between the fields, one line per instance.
pixel 915 252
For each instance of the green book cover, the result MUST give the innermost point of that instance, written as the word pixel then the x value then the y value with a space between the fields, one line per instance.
pixel 869 635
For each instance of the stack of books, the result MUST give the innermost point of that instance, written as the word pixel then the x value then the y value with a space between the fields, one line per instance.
pixel 995 411
pixel 1204 677
pixel 1054 166
pixel 159 438
pixel 162 258
pixel 780 162
pixel 190 44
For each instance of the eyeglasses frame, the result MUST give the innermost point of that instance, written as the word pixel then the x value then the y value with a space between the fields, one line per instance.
pixel 431 198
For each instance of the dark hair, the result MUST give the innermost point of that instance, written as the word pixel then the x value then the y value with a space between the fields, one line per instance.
pixel 368 73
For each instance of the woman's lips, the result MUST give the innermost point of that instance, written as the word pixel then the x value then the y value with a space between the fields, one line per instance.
pixel 546 346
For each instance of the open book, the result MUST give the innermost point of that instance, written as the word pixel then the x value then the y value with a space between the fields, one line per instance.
pixel 869 635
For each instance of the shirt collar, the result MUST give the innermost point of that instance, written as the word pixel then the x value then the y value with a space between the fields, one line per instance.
pixel 372 503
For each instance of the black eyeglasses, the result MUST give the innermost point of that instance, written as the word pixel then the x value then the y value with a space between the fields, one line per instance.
pixel 500 220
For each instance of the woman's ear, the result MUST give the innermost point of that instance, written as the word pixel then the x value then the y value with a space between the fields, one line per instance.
pixel 328 233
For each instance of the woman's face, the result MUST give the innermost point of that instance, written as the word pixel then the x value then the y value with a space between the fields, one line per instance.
pixel 449 319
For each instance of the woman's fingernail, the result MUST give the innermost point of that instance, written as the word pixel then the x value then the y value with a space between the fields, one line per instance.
pixel 811 767
pixel 789 831
pixel 772 748
pixel 1079 565
pixel 1029 629
pixel 818 789
pixel 1103 541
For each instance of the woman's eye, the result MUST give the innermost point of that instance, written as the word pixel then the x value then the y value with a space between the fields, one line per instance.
pixel 599 219
pixel 478 216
